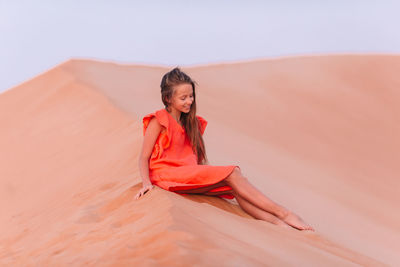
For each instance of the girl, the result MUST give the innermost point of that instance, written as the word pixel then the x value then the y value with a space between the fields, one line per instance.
pixel 173 157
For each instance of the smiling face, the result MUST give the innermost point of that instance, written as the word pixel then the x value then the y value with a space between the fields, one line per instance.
pixel 182 97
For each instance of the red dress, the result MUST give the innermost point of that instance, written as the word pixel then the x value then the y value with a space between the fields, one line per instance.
pixel 173 164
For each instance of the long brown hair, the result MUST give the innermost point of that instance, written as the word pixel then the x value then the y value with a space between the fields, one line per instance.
pixel 188 120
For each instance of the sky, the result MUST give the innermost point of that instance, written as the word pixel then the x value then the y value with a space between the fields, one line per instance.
pixel 37 35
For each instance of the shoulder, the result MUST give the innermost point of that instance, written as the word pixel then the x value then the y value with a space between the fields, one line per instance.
pixel 201 119
pixel 154 113
pixel 202 123
pixel 159 116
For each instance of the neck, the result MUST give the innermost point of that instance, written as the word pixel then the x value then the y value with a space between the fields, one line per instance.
pixel 176 114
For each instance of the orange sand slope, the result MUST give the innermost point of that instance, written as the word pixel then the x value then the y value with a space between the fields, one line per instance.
pixel 317 134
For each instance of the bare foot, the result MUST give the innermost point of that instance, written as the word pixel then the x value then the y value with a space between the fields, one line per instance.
pixel 282 224
pixel 295 221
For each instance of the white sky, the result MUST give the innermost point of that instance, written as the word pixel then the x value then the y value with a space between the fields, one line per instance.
pixel 37 35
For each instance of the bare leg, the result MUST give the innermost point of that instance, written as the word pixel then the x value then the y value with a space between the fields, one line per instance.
pixel 246 190
pixel 259 213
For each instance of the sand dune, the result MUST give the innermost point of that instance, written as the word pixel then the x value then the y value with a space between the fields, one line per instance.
pixel 318 134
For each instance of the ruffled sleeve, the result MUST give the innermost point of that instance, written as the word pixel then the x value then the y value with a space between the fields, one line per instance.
pixel 202 124
pixel 164 139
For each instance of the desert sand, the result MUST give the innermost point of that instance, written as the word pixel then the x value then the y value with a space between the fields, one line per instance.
pixel 317 134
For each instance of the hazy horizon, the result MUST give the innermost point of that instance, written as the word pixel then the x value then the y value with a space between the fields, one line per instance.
pixel 36 36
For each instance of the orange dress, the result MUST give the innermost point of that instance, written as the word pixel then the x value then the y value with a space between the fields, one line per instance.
pixel 173 163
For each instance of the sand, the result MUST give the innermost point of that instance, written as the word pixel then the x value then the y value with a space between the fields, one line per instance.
pixel 317 134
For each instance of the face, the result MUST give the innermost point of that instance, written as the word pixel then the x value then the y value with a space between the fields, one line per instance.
pixel 182 98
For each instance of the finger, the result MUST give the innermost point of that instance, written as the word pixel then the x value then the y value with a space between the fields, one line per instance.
pixel 141 192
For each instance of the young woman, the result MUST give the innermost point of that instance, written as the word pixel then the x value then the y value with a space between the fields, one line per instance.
pixel 173 157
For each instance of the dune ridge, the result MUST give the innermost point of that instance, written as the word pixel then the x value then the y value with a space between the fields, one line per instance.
pixel 317 134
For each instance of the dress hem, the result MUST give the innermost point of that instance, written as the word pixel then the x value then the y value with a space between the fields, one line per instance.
pixel 174 186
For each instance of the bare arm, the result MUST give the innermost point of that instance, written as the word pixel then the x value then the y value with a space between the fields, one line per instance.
pixel 153 130
pixel 150 138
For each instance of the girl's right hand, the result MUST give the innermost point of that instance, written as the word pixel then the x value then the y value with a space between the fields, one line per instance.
pixel 144 189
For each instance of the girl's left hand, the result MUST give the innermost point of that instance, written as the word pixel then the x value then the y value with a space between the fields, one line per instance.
pixel 144 190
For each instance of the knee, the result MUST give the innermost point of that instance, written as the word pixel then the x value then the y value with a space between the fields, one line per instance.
pixel 235 174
